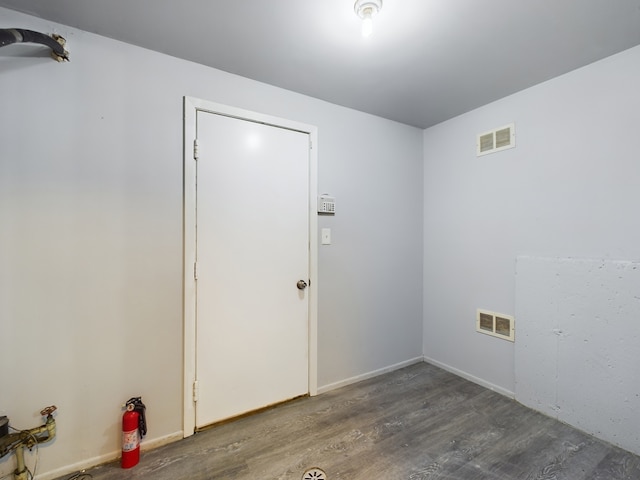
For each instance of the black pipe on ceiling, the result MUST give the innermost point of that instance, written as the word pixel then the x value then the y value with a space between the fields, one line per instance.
pixel 19 35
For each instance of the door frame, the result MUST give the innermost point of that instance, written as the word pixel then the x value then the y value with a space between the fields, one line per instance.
pixel 191 108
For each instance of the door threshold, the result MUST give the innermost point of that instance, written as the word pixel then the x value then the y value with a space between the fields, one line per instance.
pixel 249 414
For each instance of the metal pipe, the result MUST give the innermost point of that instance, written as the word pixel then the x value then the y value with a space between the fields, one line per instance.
pixel 21 468
pixel 28 438
pixel 18 35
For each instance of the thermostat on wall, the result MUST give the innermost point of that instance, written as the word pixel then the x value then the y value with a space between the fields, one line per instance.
pixel 326 204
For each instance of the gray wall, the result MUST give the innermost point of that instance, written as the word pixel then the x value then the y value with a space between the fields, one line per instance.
pixel 568 189
pixel 91 236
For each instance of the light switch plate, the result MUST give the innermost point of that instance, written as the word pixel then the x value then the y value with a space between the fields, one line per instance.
pixel 325 236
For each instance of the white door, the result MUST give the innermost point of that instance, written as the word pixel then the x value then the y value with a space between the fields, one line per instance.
pixel 252 248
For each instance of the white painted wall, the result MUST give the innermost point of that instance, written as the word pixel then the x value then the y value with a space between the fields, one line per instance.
pixel 91 236
pixel 568 189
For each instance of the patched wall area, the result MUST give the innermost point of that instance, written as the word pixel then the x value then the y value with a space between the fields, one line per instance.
pixel 577 354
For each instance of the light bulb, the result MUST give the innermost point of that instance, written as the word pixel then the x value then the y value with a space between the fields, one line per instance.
pixel 367 22
pixel 366 10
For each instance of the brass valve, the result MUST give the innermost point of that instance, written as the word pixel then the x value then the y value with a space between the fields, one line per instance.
pixel 45 412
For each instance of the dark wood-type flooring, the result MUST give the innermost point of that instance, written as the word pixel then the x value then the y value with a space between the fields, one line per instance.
pixel 416 423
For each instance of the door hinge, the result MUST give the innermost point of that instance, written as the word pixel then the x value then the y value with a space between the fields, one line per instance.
pixel 195 270
pixel 196 149
pixel 196 391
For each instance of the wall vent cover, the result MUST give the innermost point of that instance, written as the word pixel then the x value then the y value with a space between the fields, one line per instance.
pixel 496 140
pixel 495 324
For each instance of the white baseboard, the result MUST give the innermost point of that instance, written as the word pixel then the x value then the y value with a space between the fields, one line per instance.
pixel 365 376
pixel 471 378
pixel 173 437
pixel 109 457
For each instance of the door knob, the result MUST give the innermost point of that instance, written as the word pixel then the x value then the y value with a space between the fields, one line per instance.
pixel 301 284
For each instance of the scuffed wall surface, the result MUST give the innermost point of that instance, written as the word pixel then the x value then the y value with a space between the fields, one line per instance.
pixel 576 352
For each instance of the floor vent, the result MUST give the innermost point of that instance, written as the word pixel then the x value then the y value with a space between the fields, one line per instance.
pixel 314 473
pixel 495 324
pixel 496 140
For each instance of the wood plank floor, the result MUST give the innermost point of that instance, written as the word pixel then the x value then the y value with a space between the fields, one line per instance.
pixel 416 423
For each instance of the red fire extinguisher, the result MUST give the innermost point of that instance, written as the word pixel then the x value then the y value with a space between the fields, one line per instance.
pixel 134 427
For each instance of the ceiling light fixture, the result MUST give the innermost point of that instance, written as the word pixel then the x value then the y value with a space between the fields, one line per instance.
pixel 366 10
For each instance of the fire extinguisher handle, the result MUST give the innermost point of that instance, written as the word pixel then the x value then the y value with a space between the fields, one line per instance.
pixel 135 404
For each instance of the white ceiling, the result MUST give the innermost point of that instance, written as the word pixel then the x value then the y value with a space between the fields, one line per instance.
pixel 427 61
